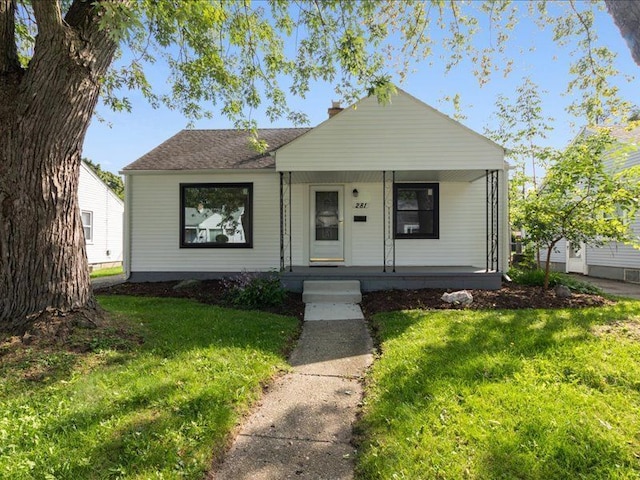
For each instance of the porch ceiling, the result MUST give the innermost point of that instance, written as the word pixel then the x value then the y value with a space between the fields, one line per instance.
pixel 376 176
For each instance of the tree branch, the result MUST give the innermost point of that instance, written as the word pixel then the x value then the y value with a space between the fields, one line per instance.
pixel 626 15
pixel 588 39
pixel 8 49
pixel 48 17
pixel 78 13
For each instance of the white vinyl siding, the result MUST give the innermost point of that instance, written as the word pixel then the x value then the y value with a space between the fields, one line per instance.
pixel 155 225
pixel 366 237
pixel 107 212
pixel 462 230
pixel 617 254
pixel 154 211
pixel 462 239
pixel 405 135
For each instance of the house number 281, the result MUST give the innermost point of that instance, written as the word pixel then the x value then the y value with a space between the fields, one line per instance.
pixel 361 205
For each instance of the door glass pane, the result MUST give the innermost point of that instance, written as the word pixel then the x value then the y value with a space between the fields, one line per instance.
pixel 575 251
pixel 327 216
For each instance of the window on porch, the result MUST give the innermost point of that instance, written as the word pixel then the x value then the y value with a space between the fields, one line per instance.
pixel 416 210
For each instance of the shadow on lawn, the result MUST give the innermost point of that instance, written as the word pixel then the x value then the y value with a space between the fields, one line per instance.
pixel 181 325
pixel 144 438
pixel 483 351
pixel 167 404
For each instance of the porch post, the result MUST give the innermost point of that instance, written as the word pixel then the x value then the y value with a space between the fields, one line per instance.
pixel 384 225
pixel 388 241
pixel 486 219
pixel 285 221
pixel 497 220
pixel 281 222
pixel 393 225
pixel 290 217
pixel 492 219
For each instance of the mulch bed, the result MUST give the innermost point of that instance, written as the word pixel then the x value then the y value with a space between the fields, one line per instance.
pixel 510 296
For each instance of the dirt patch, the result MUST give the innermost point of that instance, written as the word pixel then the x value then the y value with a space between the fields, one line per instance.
pixel 55 341
pixel 629 329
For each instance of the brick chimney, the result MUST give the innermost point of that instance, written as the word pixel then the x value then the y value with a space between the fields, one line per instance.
pixel 335 108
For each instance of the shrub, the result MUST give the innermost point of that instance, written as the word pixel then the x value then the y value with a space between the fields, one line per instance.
pixel 535 277
pixel 253 290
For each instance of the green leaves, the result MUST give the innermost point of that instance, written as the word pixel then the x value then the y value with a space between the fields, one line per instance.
pixel 237 56
pixel 583 197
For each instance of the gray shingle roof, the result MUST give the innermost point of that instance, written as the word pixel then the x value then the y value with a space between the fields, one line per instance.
pixel 626 134
pixel 214 149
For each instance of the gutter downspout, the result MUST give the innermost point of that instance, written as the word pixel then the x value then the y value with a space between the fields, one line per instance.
pixel 126 241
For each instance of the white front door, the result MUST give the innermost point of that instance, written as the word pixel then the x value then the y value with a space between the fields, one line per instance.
pixel 327 225
pixel 576 258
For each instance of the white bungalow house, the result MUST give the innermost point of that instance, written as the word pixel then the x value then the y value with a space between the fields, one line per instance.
pixel 613 260
pixel 397 196
pixel 102 220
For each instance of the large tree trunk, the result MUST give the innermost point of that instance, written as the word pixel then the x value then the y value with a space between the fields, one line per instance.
pixel 45 112
pixel 626 15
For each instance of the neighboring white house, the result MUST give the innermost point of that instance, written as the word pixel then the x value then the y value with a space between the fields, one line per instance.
pixel 395 195
pixel 102 218
pixel 613 260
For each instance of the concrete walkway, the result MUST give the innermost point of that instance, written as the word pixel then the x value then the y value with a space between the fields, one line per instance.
pixel 303 427
pixel 612 287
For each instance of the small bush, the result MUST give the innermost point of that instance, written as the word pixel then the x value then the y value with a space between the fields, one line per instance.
pixel 535 277
pixel 252 290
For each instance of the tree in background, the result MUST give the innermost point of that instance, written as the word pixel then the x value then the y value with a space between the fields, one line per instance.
pixel 522 129
pixel 581 199
pixel 113 181
pixel 57 57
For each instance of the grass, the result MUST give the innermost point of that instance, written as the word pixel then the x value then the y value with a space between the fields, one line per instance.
pixel 106 272
pixel 528 394
pixel 161 409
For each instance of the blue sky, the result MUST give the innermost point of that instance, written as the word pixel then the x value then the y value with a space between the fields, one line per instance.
pixel 124 137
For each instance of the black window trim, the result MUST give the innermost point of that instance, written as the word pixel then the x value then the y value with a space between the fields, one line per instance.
pixel 249 234
pixel 436 211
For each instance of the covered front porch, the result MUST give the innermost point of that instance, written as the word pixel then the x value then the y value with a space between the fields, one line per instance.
pixel 466 252
pixel 403 278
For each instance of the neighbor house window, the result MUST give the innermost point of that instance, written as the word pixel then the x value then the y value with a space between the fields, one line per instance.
pixel 87 225
pixel 416 210
pixel 216 215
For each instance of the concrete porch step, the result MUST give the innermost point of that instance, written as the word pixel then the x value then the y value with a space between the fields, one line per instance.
pixel 331 291
pixel 332 311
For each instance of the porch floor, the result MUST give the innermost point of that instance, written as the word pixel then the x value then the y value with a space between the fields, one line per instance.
pixel 374 278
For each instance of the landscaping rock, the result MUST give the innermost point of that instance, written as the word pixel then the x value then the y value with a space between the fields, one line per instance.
pixel 461 297
pixel 563 291
pixel 187 284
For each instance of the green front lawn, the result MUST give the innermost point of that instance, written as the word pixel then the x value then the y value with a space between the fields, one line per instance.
pixel 528 394
pixel 106 272
pixel 163 408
